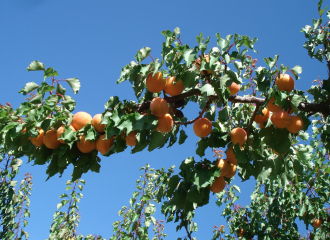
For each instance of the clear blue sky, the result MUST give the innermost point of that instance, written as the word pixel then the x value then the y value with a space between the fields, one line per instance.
pixel 93 40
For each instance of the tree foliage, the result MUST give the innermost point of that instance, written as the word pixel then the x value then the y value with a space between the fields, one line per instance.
pixel 292 169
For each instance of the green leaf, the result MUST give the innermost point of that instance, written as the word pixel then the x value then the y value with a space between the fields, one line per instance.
pixel 74 84
pixel 50 72
pixel 207 90
pixel 202 145
pixel 142 54
pixel 35 66
pixel 190 55
pixel 157 140
pixel 296 70
pixel 271 62
pixel 183 136
pixel 37 99
pixel 189 79
pixel 29 87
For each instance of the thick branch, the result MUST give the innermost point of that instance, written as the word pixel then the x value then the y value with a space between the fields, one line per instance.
pixel 311 108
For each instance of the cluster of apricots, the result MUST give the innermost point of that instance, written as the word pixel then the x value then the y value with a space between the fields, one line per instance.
pixel 229 166
pixel 280 118
pixel 51 138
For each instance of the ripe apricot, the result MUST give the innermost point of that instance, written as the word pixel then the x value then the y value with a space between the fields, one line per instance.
pixel 155 83
pixel 61 130
pixel 38 141
pixel 285 83
pixel 262 118
pixel 50 139
pixel 131 139
pixel 271 107
pixel 232 170
pixel 165 123
pixel 218 185
pixel 234 88
pixel 281 119
pixel 231 157
pixel 202 127
pixel 296 124
pixel 103 145
pixel 172 89
pixel 238 135
pixel 224 165
pixel 85 146
pixel 96 123
pixel 317 223
pixel 159 107
pixel 80 119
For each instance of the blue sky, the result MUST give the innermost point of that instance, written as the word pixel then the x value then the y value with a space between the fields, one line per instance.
pixel 93 40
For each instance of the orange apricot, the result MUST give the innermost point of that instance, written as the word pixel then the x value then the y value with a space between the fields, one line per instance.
pixel 218 185
pixel 231 157
pixel 103 145
pixel 165 123
pixel 96 123
pixel 155 83
pixel 61 130
pixel 232 170
pixel 85 146
pixel 234 88
pixel 38 141
pixel 159 107
pixel 285 83
pixel 50 139
pixel 223 164
pixel 172 89
pixel 80 119
pixel 202 127
pixel 280 119
pixel 262 118
pixel 317 223
pixel 131 139
pixel 273 108
pixel 238 135
pixel 296 124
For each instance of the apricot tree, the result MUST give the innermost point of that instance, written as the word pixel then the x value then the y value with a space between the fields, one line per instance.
pixel 291 168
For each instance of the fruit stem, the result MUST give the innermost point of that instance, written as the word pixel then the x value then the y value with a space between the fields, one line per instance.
pixel 151 58
pixel 180 41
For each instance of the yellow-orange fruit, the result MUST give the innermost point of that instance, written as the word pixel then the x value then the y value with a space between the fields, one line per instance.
pixel 262 118
pixel 155 83
pixel 218 185
pixel 281 119
pixel 232 170
pixel 61 130
pixel 285 83
pixel 38 141
pixel 85 146
pixel 261 125
pixel 96 123
pixel 103 145
pixel 231 157
pixel 50 139
pixel 202 127
pixel 238 135
pixel 296 124
pixel 224 165
pixel 131 139
pixel 198 63
pixel 273 108
pixel 165 123
pixel 317 223
pixel 80 119
pixel 234 88
pixel 172 89
pixel 159 107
